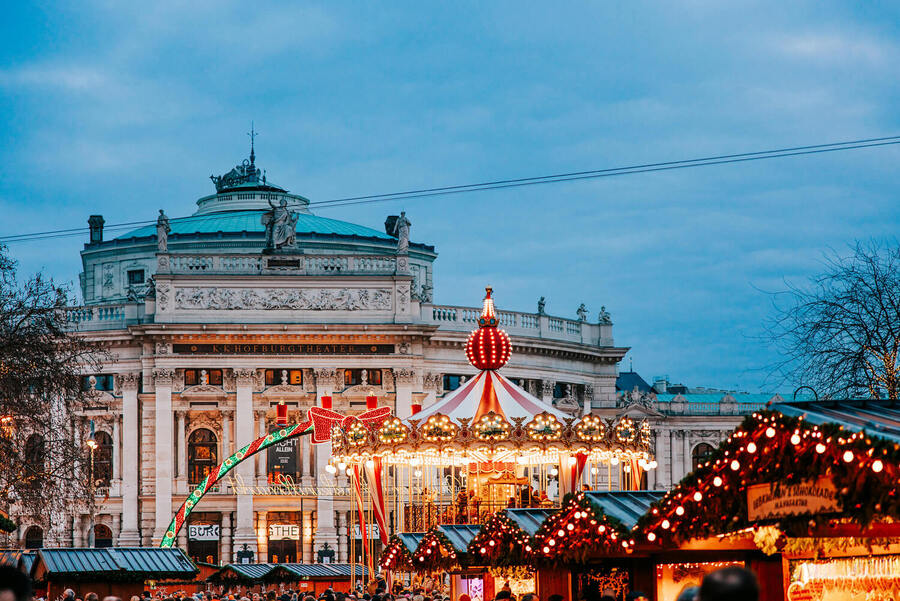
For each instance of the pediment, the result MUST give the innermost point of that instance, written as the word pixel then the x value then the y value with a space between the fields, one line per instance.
pixel 204 392
pixel 639 410
pixel 362 391
pixel 285 392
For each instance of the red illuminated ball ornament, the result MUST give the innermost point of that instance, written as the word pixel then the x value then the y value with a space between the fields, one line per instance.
pixel 488 347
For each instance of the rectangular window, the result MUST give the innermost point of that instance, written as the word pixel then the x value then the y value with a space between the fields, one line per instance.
pixel 274 376
pixel 135 277
pixel 103 382
pixel 354 377
pixel 193 377
pixel 451 382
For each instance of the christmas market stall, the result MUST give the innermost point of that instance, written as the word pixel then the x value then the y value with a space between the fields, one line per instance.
pixel 504 547
pixel 443 552
pixel 591 541
pixel 397 557
pixel 804 494
pixel 121 572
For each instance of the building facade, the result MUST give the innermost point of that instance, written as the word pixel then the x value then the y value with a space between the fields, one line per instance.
pixel 212 320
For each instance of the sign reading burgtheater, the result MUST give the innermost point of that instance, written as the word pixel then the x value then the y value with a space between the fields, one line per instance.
pixel 254 348
pixel 765 501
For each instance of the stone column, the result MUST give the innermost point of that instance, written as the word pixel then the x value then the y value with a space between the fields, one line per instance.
pixel 326 381
pixel 181 484
pixel 303 446
pixel 164 447
pixel 116 525
pixel 226 434
pixel 261 467
pixel 244 427
pixel 307 538
pixel 225 555
pixel 117 451
pixel 262 531
pixel 403 385
pixel 340 525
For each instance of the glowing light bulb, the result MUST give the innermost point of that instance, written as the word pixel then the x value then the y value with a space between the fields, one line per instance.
pixel 665 524
pixel 342 465
pixel 594 471
pixel 698 496
pixel 330 469
pixel 679 510
pixel 570 527
pixel 554 471
pixel 770 432
pixel 848 456
pixel 614 460
pixel 795 439
pixel 370 463
pixel 560 533
pixel 735 465
pixel 820 448
pixel 572 461
pixel 651 537
pixel 877 466
pixel 751 448
pixel 418 473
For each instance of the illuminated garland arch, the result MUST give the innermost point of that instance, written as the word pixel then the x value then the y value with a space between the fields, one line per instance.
pixel 223 468
pixel 320 424
pixel 770 447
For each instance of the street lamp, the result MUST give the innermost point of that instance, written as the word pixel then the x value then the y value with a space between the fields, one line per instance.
pixel 92 445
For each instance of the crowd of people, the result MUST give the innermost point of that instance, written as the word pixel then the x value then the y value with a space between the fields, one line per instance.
pixel 727 584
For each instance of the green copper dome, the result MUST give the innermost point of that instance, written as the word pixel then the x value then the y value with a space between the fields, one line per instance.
pixel 251 222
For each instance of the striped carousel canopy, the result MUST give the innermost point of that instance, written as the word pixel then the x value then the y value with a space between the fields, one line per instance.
pixel 486 392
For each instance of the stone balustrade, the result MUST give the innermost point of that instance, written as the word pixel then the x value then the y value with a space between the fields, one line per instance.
pixel 268 264
pixel 535 325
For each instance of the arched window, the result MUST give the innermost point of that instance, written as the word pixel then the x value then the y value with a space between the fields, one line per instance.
pixel 103 459
pixel 35 455
pixel 203 454
pixel 102 536
pixel 701 453
pixel 34 538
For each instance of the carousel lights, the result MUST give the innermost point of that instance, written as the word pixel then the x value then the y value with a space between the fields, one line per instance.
pixel 591 428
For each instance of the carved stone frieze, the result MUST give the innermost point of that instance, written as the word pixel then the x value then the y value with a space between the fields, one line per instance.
pixel 163 348
pixel 404 376
pixel 403 297
pixel 203 419
pixel 547 388
pixel 302 299
pixel 588 392
pixel 163 376
pixel 329 378
pixel 433 382
pixel 163 296
pixel 387 380
pixel 245 377
pixel 127 381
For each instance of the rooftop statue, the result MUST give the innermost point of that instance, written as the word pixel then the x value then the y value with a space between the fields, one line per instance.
pixel 582 312
pixel 162 232
pixel 401 230
pixel 281 226
pixel 604 317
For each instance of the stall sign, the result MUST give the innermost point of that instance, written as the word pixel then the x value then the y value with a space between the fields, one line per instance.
pixel 203 532
pixel 371 530
pixel 284 532
pixel 804 498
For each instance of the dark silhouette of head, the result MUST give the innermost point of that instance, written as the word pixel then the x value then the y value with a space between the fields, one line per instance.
pixel 730 584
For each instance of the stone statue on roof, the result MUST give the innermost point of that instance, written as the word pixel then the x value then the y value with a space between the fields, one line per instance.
pixel 604 317
pixel 541 306
pixel 401 230
pixel 162 232
pixel 582 312
pixel 281 226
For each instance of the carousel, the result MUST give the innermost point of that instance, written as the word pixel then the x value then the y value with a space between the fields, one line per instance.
pixel 486 447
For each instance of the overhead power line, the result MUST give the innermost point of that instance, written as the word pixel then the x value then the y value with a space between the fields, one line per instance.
pixel 523 181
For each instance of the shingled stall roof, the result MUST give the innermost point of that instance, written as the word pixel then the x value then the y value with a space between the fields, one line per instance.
pixel 120 564
pixel 877 417
pixel 624 505
pixel 410 540
pixel 257 573
pixel 528 520
pixel 459 535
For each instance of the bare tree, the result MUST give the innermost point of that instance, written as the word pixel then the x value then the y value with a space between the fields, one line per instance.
pixel 44 455
pixel 841 333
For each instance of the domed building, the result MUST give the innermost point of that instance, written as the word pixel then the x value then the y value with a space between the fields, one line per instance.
pixel 214 319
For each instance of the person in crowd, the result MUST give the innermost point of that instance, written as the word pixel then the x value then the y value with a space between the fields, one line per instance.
pixel 503 594
pixel 111 598
pixel 91 597
pixel 729 584
pixel 555 597
pixel 689 594
pixel 14 585
pixel 530 597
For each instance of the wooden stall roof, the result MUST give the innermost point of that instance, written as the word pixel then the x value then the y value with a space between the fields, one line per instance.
pixel 528 520
pixel 411 540
pixel 133 564
pixel 627 506
pixel 877 417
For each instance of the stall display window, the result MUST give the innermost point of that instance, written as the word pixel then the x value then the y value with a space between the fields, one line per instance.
pixel 672 579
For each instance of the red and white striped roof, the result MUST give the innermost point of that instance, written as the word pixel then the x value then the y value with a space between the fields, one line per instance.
pixel 489 391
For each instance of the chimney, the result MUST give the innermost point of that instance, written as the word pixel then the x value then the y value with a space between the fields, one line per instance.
pixel 96 224
pixel 661 384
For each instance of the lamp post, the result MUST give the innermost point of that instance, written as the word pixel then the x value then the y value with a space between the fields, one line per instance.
pixel 92 445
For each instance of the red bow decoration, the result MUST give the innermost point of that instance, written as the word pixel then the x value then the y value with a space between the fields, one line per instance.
pixel 323 420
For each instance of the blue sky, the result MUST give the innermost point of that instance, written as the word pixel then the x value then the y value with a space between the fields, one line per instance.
pixel 124 108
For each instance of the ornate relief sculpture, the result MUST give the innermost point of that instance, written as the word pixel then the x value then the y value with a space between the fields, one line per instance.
pixel 321 299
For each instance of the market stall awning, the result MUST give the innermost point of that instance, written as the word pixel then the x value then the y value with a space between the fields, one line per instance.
pixel 529 520
pixel 325 570
pixel 876 417
pixel 119 563
pixel 625 506
pixel 257 573
pixel 17 559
